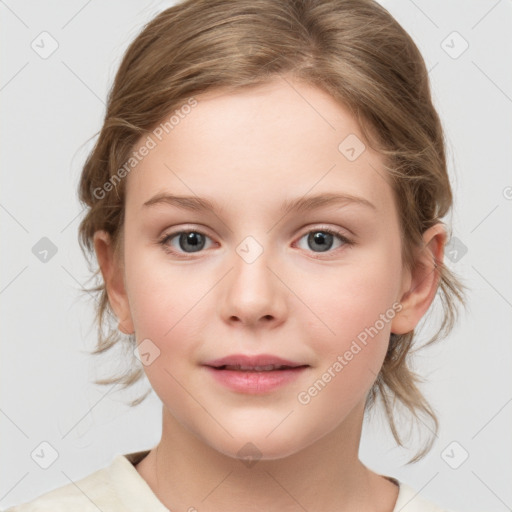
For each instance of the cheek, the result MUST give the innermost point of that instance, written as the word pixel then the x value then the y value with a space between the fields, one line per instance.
pixel 350 329
pixel 160 294
pixel 350 339
pixel 163 307
pixel 163 312
pixel 344 303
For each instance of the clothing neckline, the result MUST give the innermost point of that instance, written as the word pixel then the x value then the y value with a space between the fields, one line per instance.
pixel 141 496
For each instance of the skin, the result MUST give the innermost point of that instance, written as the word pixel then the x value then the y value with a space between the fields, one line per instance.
pixel 249 152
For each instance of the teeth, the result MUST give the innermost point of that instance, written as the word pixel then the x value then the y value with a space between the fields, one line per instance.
pixel 266 368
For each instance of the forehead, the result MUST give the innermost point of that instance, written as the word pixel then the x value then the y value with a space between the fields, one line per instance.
pixel 279 140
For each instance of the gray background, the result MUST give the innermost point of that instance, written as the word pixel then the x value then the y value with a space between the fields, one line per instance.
pixel 52 107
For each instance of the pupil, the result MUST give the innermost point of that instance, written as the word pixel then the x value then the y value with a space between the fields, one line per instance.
pixel 320 238
pixel 195 240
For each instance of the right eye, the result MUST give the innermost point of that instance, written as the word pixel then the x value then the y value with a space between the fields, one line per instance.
pixel 188 241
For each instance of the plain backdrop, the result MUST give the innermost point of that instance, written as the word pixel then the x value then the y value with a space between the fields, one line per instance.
pixel 53 105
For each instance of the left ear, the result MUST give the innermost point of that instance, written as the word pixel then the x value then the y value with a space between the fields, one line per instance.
pixel 420 283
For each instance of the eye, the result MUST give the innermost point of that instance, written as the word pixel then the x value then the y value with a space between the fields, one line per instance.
pixel 322 239
pixel 192 241
pixel 188 241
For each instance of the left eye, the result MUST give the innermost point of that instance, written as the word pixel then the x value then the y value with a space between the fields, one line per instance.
pixel 323 239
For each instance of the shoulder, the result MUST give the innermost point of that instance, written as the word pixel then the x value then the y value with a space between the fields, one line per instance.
pixel 115 488
pixel 109 489
pixel 84 495
pixel 410 500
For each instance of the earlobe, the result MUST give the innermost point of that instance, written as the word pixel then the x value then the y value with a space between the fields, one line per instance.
pixel 114 281
pixel 423 281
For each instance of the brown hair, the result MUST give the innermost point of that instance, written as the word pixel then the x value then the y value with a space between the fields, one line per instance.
pixel 352 49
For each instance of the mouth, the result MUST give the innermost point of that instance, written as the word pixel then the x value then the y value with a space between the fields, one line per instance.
pixel 253 363
pixel 266 368
pixel 254 375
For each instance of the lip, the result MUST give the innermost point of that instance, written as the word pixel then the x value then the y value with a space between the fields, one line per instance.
pixel 254 382
pixel 256 360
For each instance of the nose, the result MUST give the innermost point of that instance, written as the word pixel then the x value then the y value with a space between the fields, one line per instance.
pixel 253 292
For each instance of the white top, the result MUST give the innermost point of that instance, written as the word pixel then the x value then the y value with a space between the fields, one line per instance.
pixel 120 488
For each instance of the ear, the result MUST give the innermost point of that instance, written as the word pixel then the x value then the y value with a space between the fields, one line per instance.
pixel 113 277
pixel 420 283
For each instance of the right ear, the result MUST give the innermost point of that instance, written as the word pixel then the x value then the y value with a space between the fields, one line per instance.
pixel 114 280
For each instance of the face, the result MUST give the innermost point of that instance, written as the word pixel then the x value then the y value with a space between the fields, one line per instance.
pixel 318 286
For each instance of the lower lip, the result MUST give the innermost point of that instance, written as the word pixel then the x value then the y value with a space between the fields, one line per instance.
pixel 256 383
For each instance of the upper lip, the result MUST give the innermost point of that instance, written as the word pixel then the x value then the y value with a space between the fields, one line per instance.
pixel 252 361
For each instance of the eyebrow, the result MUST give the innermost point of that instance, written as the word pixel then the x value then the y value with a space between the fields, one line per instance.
pixel 302 204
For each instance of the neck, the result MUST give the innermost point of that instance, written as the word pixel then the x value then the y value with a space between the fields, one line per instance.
pixel 185 473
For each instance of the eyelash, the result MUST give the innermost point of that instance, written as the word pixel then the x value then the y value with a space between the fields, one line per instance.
pixel 169 236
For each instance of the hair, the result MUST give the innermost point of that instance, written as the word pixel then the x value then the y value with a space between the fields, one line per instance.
pixel 352 49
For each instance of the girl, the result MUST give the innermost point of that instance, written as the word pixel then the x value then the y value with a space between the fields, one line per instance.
pixel 294 145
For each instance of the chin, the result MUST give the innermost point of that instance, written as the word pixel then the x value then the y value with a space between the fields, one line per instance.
pixel 251 449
